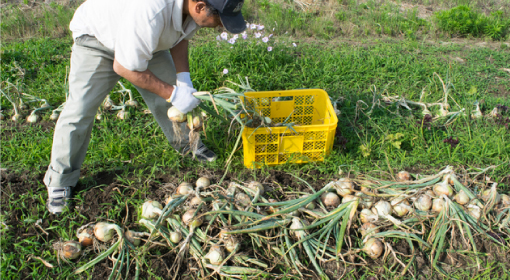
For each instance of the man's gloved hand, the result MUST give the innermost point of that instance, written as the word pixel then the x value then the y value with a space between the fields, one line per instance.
pixel 182 98
pixel 184 79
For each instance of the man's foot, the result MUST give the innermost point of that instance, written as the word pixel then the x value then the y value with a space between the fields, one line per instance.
pixel 202 153
pixel 57 199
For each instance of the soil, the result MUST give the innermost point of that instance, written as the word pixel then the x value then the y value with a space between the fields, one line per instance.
pixel 15 185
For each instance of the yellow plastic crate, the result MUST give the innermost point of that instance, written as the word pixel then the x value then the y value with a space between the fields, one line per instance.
pixel 312 134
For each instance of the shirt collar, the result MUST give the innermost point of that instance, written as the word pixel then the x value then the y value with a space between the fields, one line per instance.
pixel 189 24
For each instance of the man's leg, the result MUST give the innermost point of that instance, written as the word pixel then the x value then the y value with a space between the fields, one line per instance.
pixel 91 78
pixel 163 67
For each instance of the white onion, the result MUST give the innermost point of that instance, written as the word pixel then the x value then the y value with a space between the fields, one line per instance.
pixel 231 243
pixel 437 205
pixel 257 187
pixel 16 117
pixel 365 201
pixel 366 216
pixel 175 115
pixel 243 199
pixel 54 116
pixel 490 193
pixel 184 188
pixel 187 218
pixel 195 201
pixel 403 176
pixel 86 236
pixel 330 200
pixel 348 198
pixel 132 237
pixel 99 116
pixel 474 211
pixel 402 209
pixel 32 118
pixel 151 209
pixel 232 188
pixel 461 197
pixel 203 182
pixel 373 248
pixel 443 188
pixel 71 250
pixel 123 114
pixel 104 231
pixel 423 203
pixel 215 255
pixel 297 229
pixel 368 229
pixel 175 236
pixel 344 187
pixel 382 208
pixel 430 193
pixel 196 121
pixel 505 199
pixel 132 103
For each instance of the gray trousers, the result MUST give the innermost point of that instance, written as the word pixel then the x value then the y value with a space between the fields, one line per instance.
pixel 91 78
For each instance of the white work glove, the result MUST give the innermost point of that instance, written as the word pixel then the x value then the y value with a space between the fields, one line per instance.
pixel 182 98
pixel 184 79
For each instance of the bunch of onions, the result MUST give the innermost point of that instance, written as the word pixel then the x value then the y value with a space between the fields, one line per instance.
pixel 368 229
pixel 203 182
pixel 85 236
pixel 443 188
pixel 187 219
pixel 366 216
pixel 175 115
pixel 104 231
pixel 330 199
pixel 373 248
pixel 437 205
pixel 403 176
pixel 70 250
pixel 344 186
pixel 151 209
pixel 184 188
pixel 423 202
pixel 461 197
pixel 175 236
pixel 256 187
pixel 215 255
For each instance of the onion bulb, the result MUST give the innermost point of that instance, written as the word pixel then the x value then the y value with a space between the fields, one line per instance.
pixel 382 208
pixel 243 199
pixel 184 188
pixel 16 117
pixel 489 194
pixel 203 182
pixel 474 210
pixel 196 121
pixel 365 200
pixel 257 187
pixel 175 115
pixel 104 231
pixel 175 236
pixel 32 118
pixel 99 116
pixel 297 229
pixel 132 103
pixel 231 243
pixel 309 206
pixel 330 200
pixel 169 199
pixel 423 203
pixel 344 187
pixel 215 255
pixel 461 197
pixel 232 188
pixel 349 198
pixel 402 207
pixel 403 176
pixel 123 114
pixel 368 229
pixel 437 205
pixel 71 250
pixel 195 201
pixel 132 237
pixel 54 116
pixel 373 248
pixel 151 209
pixel 187 219
pixel 505 200
pixel 85 236
pixel 443 188
pixel 366 216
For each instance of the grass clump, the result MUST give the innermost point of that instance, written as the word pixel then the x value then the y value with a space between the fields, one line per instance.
pixel 463 21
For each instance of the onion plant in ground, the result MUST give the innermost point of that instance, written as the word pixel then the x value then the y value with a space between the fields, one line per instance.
pixel 374 137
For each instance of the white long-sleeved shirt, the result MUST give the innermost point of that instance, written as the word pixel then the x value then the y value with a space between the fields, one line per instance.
pixel 134 29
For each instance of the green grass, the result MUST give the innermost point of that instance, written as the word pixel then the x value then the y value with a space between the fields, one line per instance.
pixel 137 155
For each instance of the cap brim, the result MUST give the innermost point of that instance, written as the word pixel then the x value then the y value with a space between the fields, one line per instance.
pixel 233 24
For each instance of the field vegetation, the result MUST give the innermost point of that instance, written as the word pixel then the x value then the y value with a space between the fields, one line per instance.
pixel 367 55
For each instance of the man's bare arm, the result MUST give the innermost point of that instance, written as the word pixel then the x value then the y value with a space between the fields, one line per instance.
pixel 180 56
pixel 146 80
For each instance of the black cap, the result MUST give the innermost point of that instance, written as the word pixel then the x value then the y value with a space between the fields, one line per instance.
pixel 230 14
